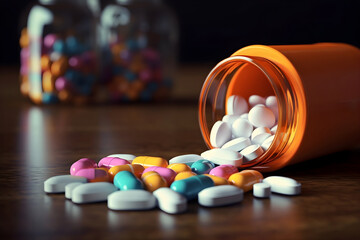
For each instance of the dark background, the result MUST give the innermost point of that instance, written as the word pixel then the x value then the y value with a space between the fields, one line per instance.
pixel 212 30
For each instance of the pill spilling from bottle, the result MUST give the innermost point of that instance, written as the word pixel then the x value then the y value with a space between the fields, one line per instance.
pixel 127 182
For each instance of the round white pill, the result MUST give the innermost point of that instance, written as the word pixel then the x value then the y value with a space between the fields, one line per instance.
pixel 244 116
pixel 256 99
pixel 261 190
pixel 260 116
pixel 236 105
pixel 237 144
pixel 220 134
pixel 283 185
pixel 271 103
pixel 260 138
pixel 266 144
pixel 242 128
pixel 260 130
pixel 274 129
pixel 252 152
pixel 229 119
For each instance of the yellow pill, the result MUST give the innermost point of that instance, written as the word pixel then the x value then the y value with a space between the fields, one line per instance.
pixel 136 169
pixel 24 38
pixel 48 82
pixel 183 175
pixel 218 180
pixel 147 161
pixel 59 67
pixel 245 179
pixel 45 62
pixel 180 167
pixel 64 95
pixel 152 181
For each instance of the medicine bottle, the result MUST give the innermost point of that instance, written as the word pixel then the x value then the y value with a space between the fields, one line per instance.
pixel 59 52
pixel 139 46
pixel 318 92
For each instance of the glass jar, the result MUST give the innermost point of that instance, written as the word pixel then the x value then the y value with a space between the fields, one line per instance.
pixel 318 91
pixel 139 45
pixel 59 58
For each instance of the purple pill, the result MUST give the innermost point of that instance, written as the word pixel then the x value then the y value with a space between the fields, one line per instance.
pixel 61 83
pixel 49 40
pixel 167 173
pixel 110 162
pixel 83 163
pixel 75 62
pixel 145 75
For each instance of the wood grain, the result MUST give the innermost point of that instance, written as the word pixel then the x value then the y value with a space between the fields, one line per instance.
pixel 38 142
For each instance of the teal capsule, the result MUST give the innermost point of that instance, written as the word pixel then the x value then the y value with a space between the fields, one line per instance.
pixel 190 187
pixel 125 180
pixel 202 166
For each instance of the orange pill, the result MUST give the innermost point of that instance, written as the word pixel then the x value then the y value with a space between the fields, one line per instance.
pixel 218 180
pixel 152 181
pixel 136 169
pixel 245 179
pixel 183 175
pixel 147 161
pixel 64 95
pixel 59 67
pixel 48 82
pixel 24 38
pixel 45 62
pixel 180 167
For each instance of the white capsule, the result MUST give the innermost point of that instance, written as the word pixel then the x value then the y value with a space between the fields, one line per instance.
pixel 266 144
pixel 131 200
pixel 223 156
pixel 54 56
pixel 220 196
pixel 245 116
pixel 260 138
pixel 170 201
pixel 260 130
pixel 261 190
pixel 283 185
pixel 92 192
pixel 237 144
pixel 255 100
pixel 252 152
pixel 220 134
pixel 260 116
pixel 242 128
pixel 128 157
pixel 236 105
pixel 229 119
pixel 57 184
pixel 186 158
pixel 274 129
pixel 271 103
pixel 69 188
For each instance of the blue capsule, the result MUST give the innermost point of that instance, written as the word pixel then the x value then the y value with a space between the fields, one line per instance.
pixel 59 46
pixel 190 187
pixel 49 98
pixel 125 180
pixel 202 166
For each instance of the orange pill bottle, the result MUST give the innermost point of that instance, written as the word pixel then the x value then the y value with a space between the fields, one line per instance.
pixel 318 91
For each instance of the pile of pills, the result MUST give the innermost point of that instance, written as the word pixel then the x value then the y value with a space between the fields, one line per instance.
pixel 247 128
pixel 128 182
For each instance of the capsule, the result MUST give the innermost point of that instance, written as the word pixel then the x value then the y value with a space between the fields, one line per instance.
pixel 136 169
pixel 110 162
pixel 224 171
pixel 184 175
pixel 179 167
pixel 218 180
pixel 190 187
pixel 166 173
pixel 202 166
pixel 245 179
pixel 94 174
pixel 147 161
pixel 125 180
pixel 152 181
pixel 82 163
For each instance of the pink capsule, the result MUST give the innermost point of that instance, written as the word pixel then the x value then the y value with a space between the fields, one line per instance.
pixel 82 163
pixel 93 174
pixel 75 62
pixel 49 40
pixel 110 162
pixel 224 171
pixel 167 173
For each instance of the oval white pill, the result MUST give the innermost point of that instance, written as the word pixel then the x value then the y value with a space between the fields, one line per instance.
pixel 237 144
pixel 69 188
pixel 266 144
pixel 223 156
pixel 170 201
pixel 220 134
pixel 92 192
pixel 260 130
pixel 229 119
pixel 220 196
pixel 255 100
pixel 283 185
pixel 128 157
pixel 57 184
pixel 236 105
pixel 131 200
pixel 252 152
pixel 261 190
pixel 186 158
pixel 260 138
pixel 261 116
pixel 272 104
pixel 242 128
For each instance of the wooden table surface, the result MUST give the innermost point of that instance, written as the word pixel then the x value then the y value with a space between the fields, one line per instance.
pixel 38 142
